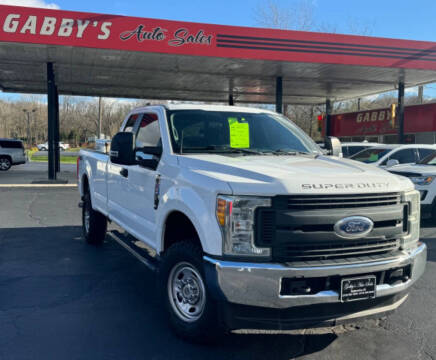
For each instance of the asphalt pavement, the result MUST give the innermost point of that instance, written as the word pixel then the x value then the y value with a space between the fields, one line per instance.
pixel 63 299
pixel 33 172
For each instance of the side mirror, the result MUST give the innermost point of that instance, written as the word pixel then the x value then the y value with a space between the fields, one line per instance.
pixel 148 157
pixel 392 162
pixel 122 149
pixel 333 146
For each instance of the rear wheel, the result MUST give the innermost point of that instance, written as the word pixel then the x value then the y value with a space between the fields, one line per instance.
pixel 190 309
pixel 5 163
pixel 94 223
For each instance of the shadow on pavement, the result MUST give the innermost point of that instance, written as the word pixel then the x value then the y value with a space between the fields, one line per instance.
pixel 61 298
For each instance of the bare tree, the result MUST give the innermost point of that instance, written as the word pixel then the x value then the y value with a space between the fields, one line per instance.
pixel 300 15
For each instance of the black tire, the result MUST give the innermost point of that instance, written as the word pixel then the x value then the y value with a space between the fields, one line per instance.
pixel 206 327
pixel 43 149
pixel 94 228
pixel 5 163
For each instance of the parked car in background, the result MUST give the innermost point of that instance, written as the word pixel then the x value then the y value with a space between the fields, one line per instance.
pixel 44 147
pixel 390 155
pixel 103 145
pixel 11 153
pixel 422 175
pixel 351 148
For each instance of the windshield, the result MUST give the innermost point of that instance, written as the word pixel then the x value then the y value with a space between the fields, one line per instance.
pixel 201 131
pixel 370 155
pixel 429 159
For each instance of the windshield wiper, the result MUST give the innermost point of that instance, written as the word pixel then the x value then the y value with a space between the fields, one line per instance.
pixel 289 152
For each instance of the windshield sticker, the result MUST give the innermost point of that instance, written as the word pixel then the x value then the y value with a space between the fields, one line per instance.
pixel 239 133
pixel 373 157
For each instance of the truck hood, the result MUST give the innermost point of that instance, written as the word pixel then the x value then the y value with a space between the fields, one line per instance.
pixel 274 175
pixel 416 169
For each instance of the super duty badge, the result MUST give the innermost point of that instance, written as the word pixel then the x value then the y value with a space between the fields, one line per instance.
pixel 376 185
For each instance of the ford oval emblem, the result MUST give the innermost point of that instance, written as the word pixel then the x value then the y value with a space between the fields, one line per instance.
pixel 353 227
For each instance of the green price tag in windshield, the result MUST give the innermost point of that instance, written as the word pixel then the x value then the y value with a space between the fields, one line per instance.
pixel 239 133
pixel 373 157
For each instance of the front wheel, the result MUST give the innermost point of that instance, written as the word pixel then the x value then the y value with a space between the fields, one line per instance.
pixel 191 311
pixel 94 223
pixel 5 163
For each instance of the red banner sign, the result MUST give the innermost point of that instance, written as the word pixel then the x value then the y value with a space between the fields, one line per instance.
pixel 417 118
pixel 54 27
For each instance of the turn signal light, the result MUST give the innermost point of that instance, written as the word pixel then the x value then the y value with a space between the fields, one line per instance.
pixel 221 206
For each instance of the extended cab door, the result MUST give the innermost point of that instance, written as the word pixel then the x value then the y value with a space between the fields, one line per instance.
pixel 144 177
pixel 132 187
pixel 118 195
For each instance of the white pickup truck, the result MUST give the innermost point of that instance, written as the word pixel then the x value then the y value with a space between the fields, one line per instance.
pixel 250 225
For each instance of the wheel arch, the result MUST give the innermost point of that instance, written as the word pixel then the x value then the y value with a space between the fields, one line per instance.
pixel 177 227
pixel 84 184
pixel 9 157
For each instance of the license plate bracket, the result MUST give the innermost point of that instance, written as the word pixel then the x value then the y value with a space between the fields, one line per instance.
pixel 358 288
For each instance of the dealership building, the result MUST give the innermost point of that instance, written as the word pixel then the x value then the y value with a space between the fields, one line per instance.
pixel 378 125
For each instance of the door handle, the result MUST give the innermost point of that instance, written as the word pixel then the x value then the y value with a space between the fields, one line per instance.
pixel 124 172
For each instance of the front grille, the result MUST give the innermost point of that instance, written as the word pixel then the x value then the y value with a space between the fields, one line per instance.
pixel 303 202
pixel 301 228
pixel 339 250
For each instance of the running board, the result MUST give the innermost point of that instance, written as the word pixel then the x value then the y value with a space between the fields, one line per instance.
pixel 137 248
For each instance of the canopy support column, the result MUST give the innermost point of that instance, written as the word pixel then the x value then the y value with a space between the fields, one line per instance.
pixel 328 117
pixel 279 95
pixel 53 130
pixel 57 150
pixel 400 112
pixel 231 100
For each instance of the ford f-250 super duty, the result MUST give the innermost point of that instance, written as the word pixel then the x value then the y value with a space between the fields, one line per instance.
pixel 251 225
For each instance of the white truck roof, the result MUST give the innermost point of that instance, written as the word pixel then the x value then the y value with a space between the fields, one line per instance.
pixel 207 108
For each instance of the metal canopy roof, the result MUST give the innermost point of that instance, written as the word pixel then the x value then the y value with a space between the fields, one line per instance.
pixel 116 56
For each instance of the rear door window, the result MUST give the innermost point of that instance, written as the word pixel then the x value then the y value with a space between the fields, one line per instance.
pixel 11 144
pixel 148 131
pixel 130 125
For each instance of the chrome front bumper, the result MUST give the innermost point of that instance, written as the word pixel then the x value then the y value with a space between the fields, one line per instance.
pixel 258 284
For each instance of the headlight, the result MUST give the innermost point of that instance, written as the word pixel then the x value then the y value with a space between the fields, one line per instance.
pixel 235 215
pixel 413 218
pixel 422 180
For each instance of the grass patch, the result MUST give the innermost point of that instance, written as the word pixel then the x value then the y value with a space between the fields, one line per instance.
pixel 64 159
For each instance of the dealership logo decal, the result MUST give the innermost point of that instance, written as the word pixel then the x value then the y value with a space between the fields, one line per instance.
pixel 382 115
pixel 181 36
pixel 51 26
